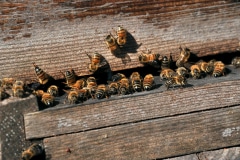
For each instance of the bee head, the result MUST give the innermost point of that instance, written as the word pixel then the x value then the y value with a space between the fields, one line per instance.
pixel 137 88
pixel 165 58
pixel 99 95
pixel 26 156
pixel 67 73
pixel 147 88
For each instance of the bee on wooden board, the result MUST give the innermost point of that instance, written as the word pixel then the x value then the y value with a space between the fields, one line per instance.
pixel 177 80
pixel 210 66
pixel 7 83
pixel 203 66
pixel 70 77
pixel 124 87
pixel 195 71
pixel 150 58
pixel 219 69
pixel 166 62
pixel 91 86
pixel 53 90
pixel 167 73
pixel 121 36
pixel 136 82
pixel 18 89
pixel 182 71
pixel 113 88
pixel 148 82
pixel 117 77
pixel 96 61
pixel 183 57
pixel 3 94
pixel 72 96
pixel 33 151
pixel 102 91
pixel 112 44
pixel 42 76
pixel 83 94
pixel 79 84
pixel 236 62
pixel 46 98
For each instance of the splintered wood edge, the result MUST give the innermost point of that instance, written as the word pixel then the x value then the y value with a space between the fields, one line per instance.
pixel 151 139
pixel 131 109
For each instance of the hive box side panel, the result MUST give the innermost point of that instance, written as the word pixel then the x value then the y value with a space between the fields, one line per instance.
pixel 132 109
pixel 159 138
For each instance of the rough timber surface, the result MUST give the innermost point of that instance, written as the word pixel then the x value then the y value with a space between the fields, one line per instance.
pixel 151 139
pixel 199 95
pixel 56 34
pixel 12 134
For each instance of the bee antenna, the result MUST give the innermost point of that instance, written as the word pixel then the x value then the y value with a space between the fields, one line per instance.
pixel 34 64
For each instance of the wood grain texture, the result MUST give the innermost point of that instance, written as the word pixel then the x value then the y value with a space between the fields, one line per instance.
pixel 57 34
pixel 222 154
pixel 130 109
pixel 151 139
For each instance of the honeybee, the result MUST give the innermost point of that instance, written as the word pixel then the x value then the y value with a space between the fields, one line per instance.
pixel 112 44
pixel 167 73
pixel 70 77
pixel 18 89
pixel 195 71
pixel 121 36
pixel 91 86
pixel 3 94
pixel 183 57
pixel 124 87
pixel 53 90
pixel 38 93
pixel 182 71
pixel 33 151
pixel 79 84
pixel 72 96
pixel 113 88
pixel 7 83
pixel 150 58
pixel 166 62
pixel 83 94
pixel 176 80
pixel 96 61
pixel 219 69
pixel 118 77
pixel 210 67
pixel 102 91
pixel 136 81
pixel 236 62
pixel 203 66
pixel 42 76
pixel 47 99
pixel 148 82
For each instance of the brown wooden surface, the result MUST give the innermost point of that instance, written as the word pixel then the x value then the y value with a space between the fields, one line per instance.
pixel 222 154
pixel 129 109
pixel 157 138
pixel 12 133
pixel 56 34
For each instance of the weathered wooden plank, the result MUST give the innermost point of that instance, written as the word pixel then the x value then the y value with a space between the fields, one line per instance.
pixel 12 135
pixel 151 139
pixel 56 34
pixel 185 157
pixel 131 109
pixel 224 154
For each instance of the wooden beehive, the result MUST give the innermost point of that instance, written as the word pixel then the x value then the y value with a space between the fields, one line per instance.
pixel 57 34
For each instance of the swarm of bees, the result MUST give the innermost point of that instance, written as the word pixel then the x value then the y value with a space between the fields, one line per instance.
pixel 80 89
